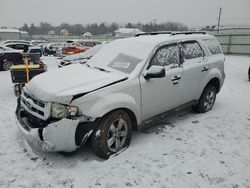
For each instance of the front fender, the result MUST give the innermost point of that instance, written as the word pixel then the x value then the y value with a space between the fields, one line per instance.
pixel 100 106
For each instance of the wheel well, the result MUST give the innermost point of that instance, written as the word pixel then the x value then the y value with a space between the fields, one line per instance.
pixel 131 115
pixel 216 83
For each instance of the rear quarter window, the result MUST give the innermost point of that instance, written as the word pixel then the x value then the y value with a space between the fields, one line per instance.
pixel 213 46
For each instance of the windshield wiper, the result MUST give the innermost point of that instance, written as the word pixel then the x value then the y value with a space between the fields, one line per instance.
pixel 101 69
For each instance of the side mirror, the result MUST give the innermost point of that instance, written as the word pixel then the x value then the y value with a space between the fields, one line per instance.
pixel 155 72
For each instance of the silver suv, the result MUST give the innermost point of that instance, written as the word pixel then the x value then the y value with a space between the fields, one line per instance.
pixel 128 82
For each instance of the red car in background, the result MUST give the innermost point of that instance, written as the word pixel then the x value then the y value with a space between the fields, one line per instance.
pixel 77 46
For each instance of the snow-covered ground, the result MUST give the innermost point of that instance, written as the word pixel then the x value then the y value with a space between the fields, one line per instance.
pixel 184 150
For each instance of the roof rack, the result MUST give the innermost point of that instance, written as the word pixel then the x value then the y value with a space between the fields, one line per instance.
pixel 188 33
pixel 171 33
pixel 153 33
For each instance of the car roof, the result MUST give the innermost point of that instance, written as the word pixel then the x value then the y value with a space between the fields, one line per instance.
pixel 164 38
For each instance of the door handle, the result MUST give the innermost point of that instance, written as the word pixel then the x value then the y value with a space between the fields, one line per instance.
pixel 176 78
pixel 204 69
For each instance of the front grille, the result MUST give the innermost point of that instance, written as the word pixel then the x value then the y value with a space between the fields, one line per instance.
pixel 34 106
pixel 37 102
pixel 34 122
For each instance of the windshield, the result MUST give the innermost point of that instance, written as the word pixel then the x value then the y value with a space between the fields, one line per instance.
pixel 121 55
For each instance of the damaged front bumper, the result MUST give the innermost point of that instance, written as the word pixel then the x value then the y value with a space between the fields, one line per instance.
pixel 64 135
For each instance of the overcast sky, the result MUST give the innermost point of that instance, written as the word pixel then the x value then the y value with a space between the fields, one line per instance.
pixel 190 12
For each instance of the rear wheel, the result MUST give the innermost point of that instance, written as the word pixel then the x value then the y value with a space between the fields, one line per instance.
pixel 7 64
pixel 206 100
pixel 113 134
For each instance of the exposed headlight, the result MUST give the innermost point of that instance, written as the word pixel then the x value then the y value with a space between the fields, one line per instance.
pixel 59 111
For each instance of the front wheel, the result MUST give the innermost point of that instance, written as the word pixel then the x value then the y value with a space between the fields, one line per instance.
pixel 206 100
pixel 113 134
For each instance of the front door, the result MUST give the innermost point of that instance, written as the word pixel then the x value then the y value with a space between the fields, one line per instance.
pixel 162 94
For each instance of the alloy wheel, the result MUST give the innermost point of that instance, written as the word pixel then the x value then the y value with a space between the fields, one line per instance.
pixel 209 100
pixel 117 135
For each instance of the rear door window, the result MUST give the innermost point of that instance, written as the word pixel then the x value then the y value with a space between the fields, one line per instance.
pixel 191 50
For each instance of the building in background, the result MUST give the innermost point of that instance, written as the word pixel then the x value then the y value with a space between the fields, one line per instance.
pixel 87 35
pixel 127 32
pixel 51 32
pixel 10 34
pixel 64 32
pixel 13 34
pixel 25 35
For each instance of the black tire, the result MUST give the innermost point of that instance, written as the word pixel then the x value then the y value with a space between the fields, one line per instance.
pixel 206 100
pixel 45 54
pixel 112 135
pixel 6 65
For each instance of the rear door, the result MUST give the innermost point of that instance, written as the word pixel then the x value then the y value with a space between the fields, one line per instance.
pixel 162 94
pixel 193 65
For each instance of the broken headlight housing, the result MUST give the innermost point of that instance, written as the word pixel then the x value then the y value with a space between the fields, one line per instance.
pixel 60 111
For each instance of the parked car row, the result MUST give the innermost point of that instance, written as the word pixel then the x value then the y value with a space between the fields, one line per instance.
pixel 11 51
pixel 124 85
pixel 55 49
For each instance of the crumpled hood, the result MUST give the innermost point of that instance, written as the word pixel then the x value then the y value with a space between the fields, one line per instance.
pixel 62 84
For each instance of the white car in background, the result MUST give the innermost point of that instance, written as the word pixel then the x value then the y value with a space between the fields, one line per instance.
pixel 127 83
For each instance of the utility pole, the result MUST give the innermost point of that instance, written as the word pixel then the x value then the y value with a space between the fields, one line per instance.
pixel 218 26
